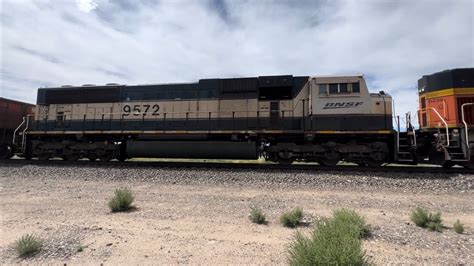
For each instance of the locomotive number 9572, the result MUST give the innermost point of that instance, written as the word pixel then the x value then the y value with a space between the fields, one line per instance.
pixel 141 109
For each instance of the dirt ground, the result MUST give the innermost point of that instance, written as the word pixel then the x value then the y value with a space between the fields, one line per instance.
pixel 208 224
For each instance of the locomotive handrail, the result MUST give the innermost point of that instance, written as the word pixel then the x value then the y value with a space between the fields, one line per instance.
pixel 81 115
pixel 444 122
pixel 18 128
pixel 465 124
pixel 397 120
pixel 101 118
pixel 409 125
pixel 23 135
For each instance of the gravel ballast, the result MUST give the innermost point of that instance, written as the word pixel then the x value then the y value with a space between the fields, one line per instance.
pixel 200 216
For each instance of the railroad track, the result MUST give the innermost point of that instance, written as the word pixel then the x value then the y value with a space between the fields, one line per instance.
pixel 242 166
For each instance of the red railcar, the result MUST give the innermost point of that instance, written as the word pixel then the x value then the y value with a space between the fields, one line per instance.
pixel 11 115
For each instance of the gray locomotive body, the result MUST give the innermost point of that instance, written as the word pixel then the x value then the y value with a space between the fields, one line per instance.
pixel 282 118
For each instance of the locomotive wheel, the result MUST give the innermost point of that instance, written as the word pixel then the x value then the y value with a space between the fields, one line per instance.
pixel 44 156
pixel 373 163
pixel 105 156
pixel 448 164
pixel 5 152
pixel 73 157
pixel 376 159
pixel 284 158
pixel 285 161
pixel 469 165
pixel 330 159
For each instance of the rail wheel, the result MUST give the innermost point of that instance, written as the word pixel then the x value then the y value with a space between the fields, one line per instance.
pixel 330 159
pixel 44 156
pixel 73 156
pixel 448 164
pixel 469 165
pixel 373 163
pixel 285 161
pixel 5 152
pixel 376 159
pixel 284 157
pixel 105 156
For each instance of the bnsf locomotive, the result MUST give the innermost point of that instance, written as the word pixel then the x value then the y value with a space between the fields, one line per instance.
pixel 324 119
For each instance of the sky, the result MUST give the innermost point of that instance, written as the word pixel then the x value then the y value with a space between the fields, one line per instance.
pixel 392 42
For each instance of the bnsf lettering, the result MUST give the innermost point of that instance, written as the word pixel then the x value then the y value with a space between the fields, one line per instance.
pixel 342 105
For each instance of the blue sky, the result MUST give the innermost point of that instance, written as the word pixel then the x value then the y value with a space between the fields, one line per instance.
pixel 394 43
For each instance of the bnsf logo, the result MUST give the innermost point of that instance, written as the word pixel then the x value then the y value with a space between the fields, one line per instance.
pixel 342 105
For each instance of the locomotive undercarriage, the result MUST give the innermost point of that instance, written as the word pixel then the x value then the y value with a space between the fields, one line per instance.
pixel 74 149
pixel 283 149
pixel 330 151
pixel 432 149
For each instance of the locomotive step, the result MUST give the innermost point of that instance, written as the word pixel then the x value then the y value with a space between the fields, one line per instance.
pixel 405 160
pixel 403 152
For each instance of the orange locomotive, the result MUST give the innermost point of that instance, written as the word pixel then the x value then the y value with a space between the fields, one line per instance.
pixel 446 117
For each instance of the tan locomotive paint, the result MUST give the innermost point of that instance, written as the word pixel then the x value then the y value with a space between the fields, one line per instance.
pixel 308 102
pixel 347 103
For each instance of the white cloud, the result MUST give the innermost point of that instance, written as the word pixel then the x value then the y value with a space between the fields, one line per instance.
pixel 86 5
pixel 393 42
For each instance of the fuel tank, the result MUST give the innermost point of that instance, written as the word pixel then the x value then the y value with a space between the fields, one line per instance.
pixel 192 149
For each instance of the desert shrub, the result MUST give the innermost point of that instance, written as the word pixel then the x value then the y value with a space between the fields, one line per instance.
pixel 28 245
pixel 435 222
pixel 122 200
pixel 80 248
pixel 256 215
pixel 350 218
pixel 292 218
pixel 422 218
pixel 334 241
pixel 458 227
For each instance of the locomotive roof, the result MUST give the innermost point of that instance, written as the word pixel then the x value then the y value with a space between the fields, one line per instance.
pixel 228 88
pixel 447 79
pixel 93 86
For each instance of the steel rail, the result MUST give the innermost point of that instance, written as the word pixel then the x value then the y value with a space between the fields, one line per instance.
pixel 306 167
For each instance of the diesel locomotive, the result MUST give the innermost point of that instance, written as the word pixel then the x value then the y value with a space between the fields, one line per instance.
pixel 323 119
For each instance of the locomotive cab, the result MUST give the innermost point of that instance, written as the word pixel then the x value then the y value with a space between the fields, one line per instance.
pixel 446 117
pixel 344 103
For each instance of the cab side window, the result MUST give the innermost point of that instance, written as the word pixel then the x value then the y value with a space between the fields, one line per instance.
pixel 333 88
pixel 339 88
pixel 343 88
pixel 322 88
pixel 355 87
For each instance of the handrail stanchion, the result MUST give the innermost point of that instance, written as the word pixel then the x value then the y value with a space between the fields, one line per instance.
pixel 465 124
pixel 23 134
pixel 18 128
pixel 398 133
pixel 445 124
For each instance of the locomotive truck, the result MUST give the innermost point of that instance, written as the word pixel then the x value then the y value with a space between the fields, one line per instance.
pixel 324 119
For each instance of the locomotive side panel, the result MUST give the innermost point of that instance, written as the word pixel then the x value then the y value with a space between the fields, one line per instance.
pixel 283 118
pixel 345 104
